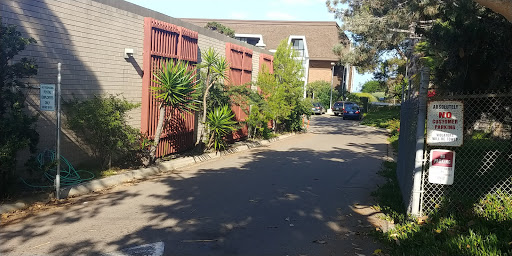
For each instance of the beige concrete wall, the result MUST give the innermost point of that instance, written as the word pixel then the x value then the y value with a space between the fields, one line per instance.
pixel 89 37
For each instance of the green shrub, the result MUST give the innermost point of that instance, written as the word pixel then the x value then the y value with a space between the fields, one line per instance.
pixel 356 97
pixel 215 26
pixel 258 123
pixel 482 228
pixel 17 126
pixel 495 207
pixel 101 123
pixel 220 123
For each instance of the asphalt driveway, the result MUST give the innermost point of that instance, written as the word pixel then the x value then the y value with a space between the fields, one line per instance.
pixel 306 195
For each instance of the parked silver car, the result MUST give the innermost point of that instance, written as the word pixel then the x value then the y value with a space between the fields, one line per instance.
pixel 317 108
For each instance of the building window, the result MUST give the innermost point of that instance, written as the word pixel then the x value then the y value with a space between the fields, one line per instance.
pixel 253 39
pixel 298 45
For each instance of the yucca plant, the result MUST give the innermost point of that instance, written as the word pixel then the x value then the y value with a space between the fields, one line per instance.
pixel 220 123
pixel 176 88
pixel 216 70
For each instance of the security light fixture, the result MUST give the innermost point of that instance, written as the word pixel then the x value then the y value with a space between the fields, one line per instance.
pixel 128 53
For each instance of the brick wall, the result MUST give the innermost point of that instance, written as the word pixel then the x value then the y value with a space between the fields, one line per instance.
pixel 322 71
pixel 89 37
pixel 319 71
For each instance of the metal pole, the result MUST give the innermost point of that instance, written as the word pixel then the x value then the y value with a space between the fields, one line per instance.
pixel 332 81
pixel 414 207
pixel 345 86
pixel 402 99
pixel 57 177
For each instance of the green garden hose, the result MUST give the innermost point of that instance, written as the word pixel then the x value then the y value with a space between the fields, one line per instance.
pixel 68 175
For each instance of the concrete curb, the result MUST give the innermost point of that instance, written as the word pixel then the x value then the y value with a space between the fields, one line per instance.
pixel 162 167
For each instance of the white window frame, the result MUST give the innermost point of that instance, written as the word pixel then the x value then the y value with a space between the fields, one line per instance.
pixel 304 58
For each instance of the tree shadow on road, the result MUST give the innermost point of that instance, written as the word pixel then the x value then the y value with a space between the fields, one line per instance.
pixel 265 202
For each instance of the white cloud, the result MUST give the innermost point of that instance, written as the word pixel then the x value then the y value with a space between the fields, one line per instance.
pixel 280 16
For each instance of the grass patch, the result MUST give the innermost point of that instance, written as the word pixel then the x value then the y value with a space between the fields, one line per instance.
pixel 388 195
pixel 481 228
pixel 385 117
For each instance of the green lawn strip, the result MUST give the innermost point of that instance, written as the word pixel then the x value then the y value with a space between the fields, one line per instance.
pixel 459 225
pixel 482 228
pixel 385 117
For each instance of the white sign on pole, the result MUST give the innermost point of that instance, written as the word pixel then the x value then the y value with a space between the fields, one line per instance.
pixel 442 167
pixel 47 97
pixel 445 121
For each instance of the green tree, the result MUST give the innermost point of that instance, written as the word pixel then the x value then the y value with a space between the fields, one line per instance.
pixel 468 48
pixel 391 74
pixel 176 88
pixel 283 89
pixel 322 92
pixel 17 126
pixel 466 44
pixel 216 71
pixel 378 28
pixel 215 26
pixel 372 86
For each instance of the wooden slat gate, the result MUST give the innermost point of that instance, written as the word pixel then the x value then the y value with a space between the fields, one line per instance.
pixel 163 42
pixel 266 65
pixel 240 72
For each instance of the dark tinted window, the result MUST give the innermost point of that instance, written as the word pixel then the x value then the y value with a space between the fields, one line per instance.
pixel 351 107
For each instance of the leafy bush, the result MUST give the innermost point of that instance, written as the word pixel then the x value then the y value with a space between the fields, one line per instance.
pixel 294 121
pixel 258 123
pixel 495 207
pixel 356 97
pixel 215 26
pixel 101 123
pixel 17 127
pixel 322 92
pixel 220 123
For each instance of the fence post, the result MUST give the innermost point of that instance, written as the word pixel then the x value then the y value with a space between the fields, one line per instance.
pixel 414 208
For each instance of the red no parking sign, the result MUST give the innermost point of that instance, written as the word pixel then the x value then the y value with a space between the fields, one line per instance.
pixel 442 166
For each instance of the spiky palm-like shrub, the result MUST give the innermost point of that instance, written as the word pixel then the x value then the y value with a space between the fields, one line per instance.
pixel 176 88
pixel 220 123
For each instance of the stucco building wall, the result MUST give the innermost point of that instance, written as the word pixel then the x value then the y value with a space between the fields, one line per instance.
pixel 89 38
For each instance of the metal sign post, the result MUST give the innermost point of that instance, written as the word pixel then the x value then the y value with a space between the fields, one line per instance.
pixel 57 153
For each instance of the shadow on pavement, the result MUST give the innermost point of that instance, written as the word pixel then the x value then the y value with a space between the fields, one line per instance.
pixel 296 201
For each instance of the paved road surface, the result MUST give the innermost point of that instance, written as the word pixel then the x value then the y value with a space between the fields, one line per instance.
pixel 298 196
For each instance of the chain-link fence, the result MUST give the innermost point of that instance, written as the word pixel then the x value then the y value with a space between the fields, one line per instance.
pixel 483 164
pixel 406 148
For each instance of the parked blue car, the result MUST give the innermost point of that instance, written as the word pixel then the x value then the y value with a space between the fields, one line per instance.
pixel 352 111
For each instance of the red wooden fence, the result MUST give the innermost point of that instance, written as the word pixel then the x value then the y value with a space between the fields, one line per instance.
pixel 266 65
pixel 163 42
pixel 266 61
pixel 240 72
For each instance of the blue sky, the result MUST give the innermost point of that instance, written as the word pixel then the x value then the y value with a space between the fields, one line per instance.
pixel 299 10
